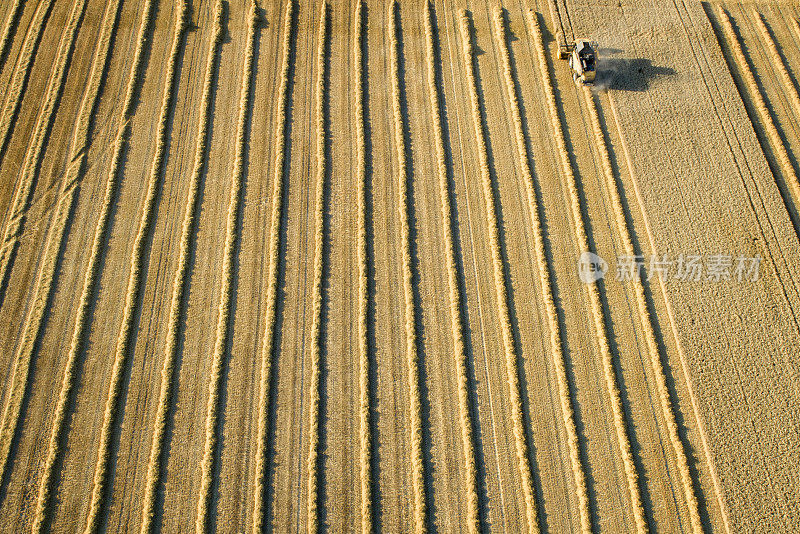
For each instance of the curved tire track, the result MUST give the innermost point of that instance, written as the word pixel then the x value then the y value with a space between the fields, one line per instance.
pixel 32 328
pixel 40 138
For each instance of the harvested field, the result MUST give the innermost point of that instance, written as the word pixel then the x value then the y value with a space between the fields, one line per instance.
pixel 385 266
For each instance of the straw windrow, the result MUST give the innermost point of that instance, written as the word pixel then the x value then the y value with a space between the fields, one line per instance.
pixel 595 303
pixel 132 296
pixel 472 519
pixel 546 281
pixel 319 267
pixel 501 288
pixel 179 285
pixel 412 358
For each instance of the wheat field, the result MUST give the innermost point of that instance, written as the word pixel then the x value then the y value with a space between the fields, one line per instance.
pixel 307 266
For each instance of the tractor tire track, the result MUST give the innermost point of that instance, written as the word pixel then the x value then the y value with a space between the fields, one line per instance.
pixel 667 408
pixel 739 62
pixel 753 202
pixel 223 329
pixel 752 26
pixel 671 318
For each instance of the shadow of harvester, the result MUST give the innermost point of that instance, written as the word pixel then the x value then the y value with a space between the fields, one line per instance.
pixel 635 74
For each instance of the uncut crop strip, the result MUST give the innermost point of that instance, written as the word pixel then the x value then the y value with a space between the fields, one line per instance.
pixel 456 326
pixel 32 327
pixel 180 281
pixel 671 317
pixel 56 241
pixel 38 142
pixel 758 100
pixel 667 408
pixel 9 30
pixel 320 250
pixel 412 358
pixel 268 348
pixel 22 73
pixel 501 289
pixel 126 333
pixel 365 437
pixel 223 327
pixel 777 60
pixel 545 279
pixel 595 302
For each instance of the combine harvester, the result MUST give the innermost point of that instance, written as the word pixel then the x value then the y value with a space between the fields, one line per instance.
pixel 583 61
pixel 581 53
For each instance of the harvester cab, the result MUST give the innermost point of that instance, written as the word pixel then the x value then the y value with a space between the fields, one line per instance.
pixel 583 61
